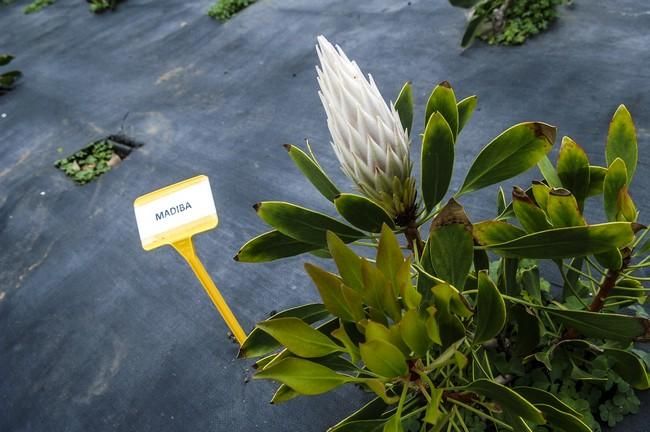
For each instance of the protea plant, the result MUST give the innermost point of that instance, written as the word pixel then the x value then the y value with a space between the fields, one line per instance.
pixel 462 333
pixel 368 137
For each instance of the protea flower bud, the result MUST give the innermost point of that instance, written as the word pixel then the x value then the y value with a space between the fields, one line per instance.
pixel 367 136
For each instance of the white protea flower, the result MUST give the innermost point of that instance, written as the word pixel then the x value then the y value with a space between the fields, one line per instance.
pixel 367 135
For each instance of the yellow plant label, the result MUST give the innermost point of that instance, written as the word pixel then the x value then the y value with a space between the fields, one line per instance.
pixel 175 212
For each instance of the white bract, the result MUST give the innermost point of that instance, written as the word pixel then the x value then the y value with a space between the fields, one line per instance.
pixel 367 135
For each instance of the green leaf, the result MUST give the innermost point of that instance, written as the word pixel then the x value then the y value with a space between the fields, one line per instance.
pixel 531 217
pixel 413 329
pixel 603 325
pixel 338 298
pixel 392 335
pixel 538 396
pixel 389 257
pixel 404 107
pixel 443 100
pixel 433 413
pixel 573 169
pixel 362 212
pixel 437 160
pixel 378 291
pixel 611 259
pixel 303 224
pixel 299 338
pixel 540 194
pixel 342 336
pixel 563 210
pixel 495 232
pixel 618 203
pixel 284 393
pixel 259 343
pixel 630 367
pixel 596 179
pixel 466 109
pixel 383 358
pixel 355 422
pixel 569 242
pixel 5 59
pixel 464 3
pixel 270 246
pixel 475 23
pixel 347 262
pixel 490 310
pixel 451 245
pixel 548 172
pixel 621 141
pixel 514 151
pixel 508 399
pixel 312 170
pixel 304 376
pixel 501 201
pixel 561 420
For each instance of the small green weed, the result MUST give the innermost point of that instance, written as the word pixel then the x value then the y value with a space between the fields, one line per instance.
pixel 225 9
pixel 99 6
pixel 37 5
pixel 8 79
pixel 91 162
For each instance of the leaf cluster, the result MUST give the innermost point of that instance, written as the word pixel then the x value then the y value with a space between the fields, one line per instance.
pixel 457 330
pixel 89 163
pixel 507 22
pixel 223 10
pixel 8 79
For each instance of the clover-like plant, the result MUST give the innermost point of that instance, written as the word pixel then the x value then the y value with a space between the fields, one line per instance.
pixel 507 22
pixel 457 330
pixel 8 79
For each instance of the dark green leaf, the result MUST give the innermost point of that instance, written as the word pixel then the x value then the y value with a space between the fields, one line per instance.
pixel 450 244
pixel 561 420
pixel 568 242
pixel 514 151
pixel 270 246
pixel 472 29
pixel 603 325
pixel 258 343
pixel 404 107
pixel 490 310
pixel 596 179
pixel 369 412
pixel 437 160
pixel 362 212
pixel 509 400
pixel 303 224
pixel 538 396
pixel 630 367
pixel 314 173
pixel 5 59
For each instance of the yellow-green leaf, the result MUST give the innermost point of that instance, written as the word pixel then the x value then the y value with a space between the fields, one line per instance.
pixel 495 232
pixel 389 257
pixel 621 141
pixel 338 298
pixel 443 100
pixel 531 217
pixel 514 151
pixel 347 262
pixel 618 203
pixel 596 179
pixel 299 338
pixel 304 376
pixel 563 210
pixel 413 329
pixel 383 358
pixel 573 169
pixel 466 110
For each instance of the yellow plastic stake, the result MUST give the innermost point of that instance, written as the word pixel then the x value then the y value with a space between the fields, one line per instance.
pixel 171 216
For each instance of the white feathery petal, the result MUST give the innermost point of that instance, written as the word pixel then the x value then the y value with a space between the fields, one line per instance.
pixel 367 135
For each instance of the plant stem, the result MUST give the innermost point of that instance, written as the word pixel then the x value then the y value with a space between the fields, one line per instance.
pixel 412 234
pixel 608 283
